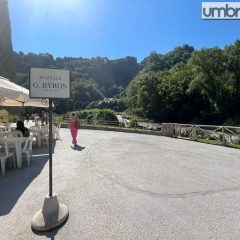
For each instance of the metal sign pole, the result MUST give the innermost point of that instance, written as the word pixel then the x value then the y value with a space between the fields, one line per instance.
pixel 53 213
pixel 50 147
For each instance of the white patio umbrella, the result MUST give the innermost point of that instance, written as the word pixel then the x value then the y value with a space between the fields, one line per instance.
pixel 32 102
pixel 10 90
pixel 14 95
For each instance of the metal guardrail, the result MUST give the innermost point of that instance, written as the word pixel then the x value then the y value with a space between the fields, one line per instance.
pixel 102 123
pixel 224 134
pixel 140 125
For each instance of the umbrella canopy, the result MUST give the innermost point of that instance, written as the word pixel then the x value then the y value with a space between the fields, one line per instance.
pixel 13 91
pixel 14 95
pixel 32 102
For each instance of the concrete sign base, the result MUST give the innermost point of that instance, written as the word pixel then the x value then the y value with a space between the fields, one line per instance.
pixel 51 215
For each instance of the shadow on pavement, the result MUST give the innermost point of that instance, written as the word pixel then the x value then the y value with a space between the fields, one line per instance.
pixel 15 181
pixel 51 233
pixel 78 147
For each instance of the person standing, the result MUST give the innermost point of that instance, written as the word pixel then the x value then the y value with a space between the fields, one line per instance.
pixel 23 129
pixel 73 125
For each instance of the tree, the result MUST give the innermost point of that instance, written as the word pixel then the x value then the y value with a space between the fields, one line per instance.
pixel 159 62
pixel 142 95
pixel 232 54
pixel 108 76
pixel 154 62
pixel 211 78
pixel 124 70
pixel 84 91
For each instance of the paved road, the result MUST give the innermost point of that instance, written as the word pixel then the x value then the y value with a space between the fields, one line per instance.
pixel 128 186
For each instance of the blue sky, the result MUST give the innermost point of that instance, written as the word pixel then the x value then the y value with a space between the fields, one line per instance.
pixel 114 28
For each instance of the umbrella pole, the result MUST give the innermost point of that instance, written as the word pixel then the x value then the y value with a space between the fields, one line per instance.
pixel 20 114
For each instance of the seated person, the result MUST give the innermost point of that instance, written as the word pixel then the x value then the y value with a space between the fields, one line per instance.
pixel 23 129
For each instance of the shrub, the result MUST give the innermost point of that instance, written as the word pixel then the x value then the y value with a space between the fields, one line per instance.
pixel 106 115
pixel 134 122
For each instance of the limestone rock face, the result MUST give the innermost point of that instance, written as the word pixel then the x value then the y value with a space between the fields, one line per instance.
pixel 7 68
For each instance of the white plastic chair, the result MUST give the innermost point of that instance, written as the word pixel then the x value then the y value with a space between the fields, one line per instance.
pixel 45 132
pixel 27 148
pixel 58 132
pixel 3 128
pixel 3 157
pixel 54 132
pixel 34 128
pixel 37 133
pixel 4 134
pixel 32 131
pixel 16 133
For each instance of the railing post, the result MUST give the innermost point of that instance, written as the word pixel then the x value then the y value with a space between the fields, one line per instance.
pixel 194 132
pixel 223 136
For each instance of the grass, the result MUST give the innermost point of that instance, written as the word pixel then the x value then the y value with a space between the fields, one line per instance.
pixel 216 142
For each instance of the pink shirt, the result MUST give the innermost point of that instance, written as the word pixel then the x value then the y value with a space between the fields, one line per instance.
pixel 72 123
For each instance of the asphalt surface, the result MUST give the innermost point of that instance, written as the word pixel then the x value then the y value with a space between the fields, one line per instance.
pixel 127 186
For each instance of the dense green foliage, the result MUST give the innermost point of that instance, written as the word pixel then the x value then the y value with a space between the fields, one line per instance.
pixel 182 85
pixel 91 79
pixel 158 62
pixel 6 52
pixel 115 104
pixel 98 115
pixel 106 115
pixel 188 86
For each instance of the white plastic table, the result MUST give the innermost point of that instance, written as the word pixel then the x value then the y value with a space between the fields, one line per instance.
pixel 17 142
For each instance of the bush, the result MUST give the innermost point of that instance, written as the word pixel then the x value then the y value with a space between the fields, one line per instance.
pixel 106 115
pixel 97 115
pixel 134 122
pixel 87 114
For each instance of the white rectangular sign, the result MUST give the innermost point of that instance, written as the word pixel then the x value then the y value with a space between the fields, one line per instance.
pixel 49 83
pixel 220 10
